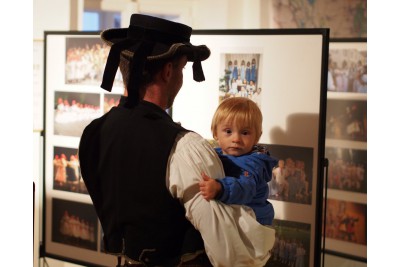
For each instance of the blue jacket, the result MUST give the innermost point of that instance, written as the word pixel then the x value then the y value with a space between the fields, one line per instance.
pixel 246 182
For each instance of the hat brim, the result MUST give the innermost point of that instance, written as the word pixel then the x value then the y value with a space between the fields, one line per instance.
pixel 160 50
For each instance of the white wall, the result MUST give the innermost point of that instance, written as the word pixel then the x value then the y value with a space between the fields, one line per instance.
pixel 50 16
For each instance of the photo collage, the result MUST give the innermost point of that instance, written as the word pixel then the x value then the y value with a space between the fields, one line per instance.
pixel 346 148
pixel 76 101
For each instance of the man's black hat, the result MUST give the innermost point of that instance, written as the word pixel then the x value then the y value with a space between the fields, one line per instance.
pixel 149 38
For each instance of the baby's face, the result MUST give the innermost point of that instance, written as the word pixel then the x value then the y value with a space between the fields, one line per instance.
pixel 234 140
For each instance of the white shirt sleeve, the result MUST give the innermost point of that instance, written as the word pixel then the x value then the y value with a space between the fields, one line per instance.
pixel 231 234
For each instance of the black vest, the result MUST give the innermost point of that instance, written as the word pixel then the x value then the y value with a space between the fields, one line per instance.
pixel 123 158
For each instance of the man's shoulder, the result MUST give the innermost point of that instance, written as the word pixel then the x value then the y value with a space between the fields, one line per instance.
pixel 188 142
pixel 186 137
pixel 93 126
pixel 193 151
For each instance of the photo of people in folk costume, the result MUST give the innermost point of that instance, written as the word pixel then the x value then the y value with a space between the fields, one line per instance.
pixel 240 77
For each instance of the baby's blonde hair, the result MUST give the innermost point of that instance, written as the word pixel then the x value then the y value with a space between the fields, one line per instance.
pixel 240 111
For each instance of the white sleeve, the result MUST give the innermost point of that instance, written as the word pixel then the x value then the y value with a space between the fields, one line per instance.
pixel 231 234
pixel 191 155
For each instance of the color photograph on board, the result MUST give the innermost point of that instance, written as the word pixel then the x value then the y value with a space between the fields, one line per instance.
pixel 239 77
pixel 74 224
pixel 347 169
pixel 346 120
pixel 85 59
pixel 66 171
pixel 347 70
pixel 346 221
pixel 292 244
pixel 110 101
pixel 74 111
pixel 292 177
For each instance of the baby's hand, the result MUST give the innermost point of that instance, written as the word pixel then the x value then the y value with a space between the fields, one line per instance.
pixel 209 187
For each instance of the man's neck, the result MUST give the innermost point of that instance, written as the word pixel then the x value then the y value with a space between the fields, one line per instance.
pixel 154 94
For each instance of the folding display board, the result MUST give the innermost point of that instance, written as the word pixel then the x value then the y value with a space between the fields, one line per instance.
pixel 285 73
pixel 346 149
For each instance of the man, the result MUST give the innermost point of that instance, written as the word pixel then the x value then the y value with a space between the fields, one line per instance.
pixel 142 170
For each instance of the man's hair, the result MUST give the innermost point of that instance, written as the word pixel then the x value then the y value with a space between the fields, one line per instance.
pixel 150 69
pixel 240 111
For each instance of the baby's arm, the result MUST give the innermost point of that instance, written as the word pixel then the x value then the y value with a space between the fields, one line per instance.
pixel 209 187
pixel 230 190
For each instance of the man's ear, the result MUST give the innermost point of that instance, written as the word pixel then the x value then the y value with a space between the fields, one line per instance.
pixel 166 72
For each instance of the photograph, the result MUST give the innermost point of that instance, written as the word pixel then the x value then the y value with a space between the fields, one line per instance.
pixel 74 111
pixel 346 221
pixel 239 77
pixel 347 70
pixel 347 169
pixel 67 175
pixel 292 177
pixel 85 60
pixel 110 101
pixel 346 120
pixel 74 224
pixel 292 244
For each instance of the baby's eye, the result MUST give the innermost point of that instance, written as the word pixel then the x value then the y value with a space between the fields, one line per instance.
pixel 228 131
pixel 245 132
